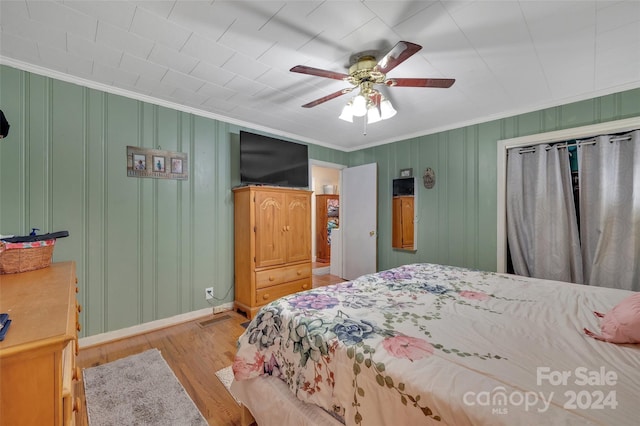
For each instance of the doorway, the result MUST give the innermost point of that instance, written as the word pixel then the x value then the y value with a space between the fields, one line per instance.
pixel 325 183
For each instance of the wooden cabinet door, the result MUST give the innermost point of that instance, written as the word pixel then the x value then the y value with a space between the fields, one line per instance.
pixel 298 227
pixel 396 234
pixel 407 222
pixel 403 216
pixel 270 219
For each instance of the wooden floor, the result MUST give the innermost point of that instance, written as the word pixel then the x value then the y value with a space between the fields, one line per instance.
pixel 194 350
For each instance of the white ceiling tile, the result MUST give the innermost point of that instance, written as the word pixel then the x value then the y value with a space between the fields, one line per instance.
pixel 337 19
pixel 619 14
pixel 394 13
pixel 120 39
pixel 13 12
pixel 82 47
pixel 248 86
pixel 177 79
pixel 53 12
pixel 172 59
pixel 153 27
pixel 290 24
pixel 110 75
pixel 18 48
pixel 246 41
pixel 282 57
pixel 245 66
pixel 489 25
pixel 208 19
pixel 212 74
pixel 41 32
pixel 216 92
pixel 207 50
pixel 160 8
pixel 188 97
pixel 140 66
pixel 62 61
pixel 118 13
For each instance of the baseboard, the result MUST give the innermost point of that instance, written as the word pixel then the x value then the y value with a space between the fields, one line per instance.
pixel 123 333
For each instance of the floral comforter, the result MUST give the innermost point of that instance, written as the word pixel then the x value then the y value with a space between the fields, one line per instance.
pixel 431 344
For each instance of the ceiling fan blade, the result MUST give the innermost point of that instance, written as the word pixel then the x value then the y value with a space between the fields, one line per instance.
pixel 420 82
pixel 302 69
pixel 402 51
pixel 327 98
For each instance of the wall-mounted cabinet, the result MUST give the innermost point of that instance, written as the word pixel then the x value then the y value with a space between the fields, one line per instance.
pixel 404 214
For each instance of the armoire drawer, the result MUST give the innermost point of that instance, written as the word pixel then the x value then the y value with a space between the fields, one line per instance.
pixel 271 277
pixel 269 294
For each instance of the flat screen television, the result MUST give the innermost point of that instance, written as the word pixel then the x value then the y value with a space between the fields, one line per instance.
pixel 269 161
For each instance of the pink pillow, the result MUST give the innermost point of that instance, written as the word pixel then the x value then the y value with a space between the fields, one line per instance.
pixel 622 323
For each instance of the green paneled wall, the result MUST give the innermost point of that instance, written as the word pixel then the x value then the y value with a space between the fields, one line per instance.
pixel 147 248
pixel 457 218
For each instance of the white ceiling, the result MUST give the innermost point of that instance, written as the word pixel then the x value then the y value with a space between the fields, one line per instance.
pixel 230 60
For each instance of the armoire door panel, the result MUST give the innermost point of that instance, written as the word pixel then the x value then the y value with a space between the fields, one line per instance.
pixel 270 229
pixel 298 228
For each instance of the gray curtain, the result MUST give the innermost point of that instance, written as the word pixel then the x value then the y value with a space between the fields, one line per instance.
pixel 609 173
pixel 542 228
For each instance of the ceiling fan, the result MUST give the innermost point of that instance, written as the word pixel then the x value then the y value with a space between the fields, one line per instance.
pixel 365 73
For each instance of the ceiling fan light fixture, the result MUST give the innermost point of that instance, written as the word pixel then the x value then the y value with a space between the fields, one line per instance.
pixel 347 113
pixel 373 115
pixel 359 106
pixel 386 109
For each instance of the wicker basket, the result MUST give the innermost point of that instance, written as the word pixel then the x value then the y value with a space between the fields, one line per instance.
pixel 22 257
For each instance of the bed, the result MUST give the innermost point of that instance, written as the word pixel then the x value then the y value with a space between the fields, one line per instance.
pixel 432 344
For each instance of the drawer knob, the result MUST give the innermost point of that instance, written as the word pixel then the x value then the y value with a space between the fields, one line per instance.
pixel 79 307
pixel 299 272
pixel 305 286
pixel 271 278
pixel 265 296
pixel 77 404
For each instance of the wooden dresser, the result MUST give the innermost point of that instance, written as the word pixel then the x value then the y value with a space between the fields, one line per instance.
pixel 272 244
pixel 38 355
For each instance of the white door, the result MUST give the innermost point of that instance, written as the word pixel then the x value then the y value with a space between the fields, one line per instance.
pixel 359 220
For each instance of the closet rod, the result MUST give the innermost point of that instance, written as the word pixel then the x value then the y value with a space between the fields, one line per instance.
pixel 584 142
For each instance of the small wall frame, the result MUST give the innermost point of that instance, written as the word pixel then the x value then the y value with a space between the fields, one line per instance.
pixel 406 172
pixel 156 163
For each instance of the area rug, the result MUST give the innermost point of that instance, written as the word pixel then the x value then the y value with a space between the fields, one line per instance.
pixel 138 390
pixel 226 377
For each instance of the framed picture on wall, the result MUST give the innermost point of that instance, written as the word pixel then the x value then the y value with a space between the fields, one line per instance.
pixel 406 172
pixel 155 163
pixel 158 163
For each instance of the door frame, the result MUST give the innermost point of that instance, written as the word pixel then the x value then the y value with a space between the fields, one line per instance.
pixel 327 165
pixel 616 126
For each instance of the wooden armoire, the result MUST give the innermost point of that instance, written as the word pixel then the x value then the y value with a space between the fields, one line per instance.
pixel 272 244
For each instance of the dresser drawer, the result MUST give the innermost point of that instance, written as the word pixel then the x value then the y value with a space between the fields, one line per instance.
pixel 271 277
pixel 269 294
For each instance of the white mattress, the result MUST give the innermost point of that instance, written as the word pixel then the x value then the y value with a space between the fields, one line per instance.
pixel 259 395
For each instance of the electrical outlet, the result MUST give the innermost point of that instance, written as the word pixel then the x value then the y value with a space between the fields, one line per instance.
pixel 208 293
